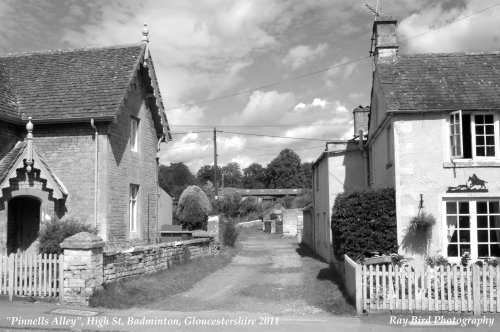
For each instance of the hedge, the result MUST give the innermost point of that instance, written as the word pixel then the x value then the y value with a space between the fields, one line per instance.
pixel 364 220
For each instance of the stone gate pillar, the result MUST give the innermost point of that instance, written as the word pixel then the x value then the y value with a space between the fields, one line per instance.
pixel 83 267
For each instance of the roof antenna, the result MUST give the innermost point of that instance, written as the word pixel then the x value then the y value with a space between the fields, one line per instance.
pixel 376 12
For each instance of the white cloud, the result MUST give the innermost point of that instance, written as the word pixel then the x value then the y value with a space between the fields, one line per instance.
pixel 303 54
pixel 477 33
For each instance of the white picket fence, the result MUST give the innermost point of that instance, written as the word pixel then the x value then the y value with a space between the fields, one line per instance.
pixel 24 274
pixel 452 288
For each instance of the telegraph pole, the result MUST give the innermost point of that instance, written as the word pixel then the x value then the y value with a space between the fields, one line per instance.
pixel 215 164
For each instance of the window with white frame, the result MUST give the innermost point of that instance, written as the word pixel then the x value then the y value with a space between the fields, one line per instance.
pixel 134 134
pixel 473 135
pixel 133 202
pixel 473 227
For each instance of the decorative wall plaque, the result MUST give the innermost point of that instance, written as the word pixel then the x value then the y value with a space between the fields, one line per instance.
pixel 473 184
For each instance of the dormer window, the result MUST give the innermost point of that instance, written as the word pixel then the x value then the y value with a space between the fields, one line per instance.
pixel 473 135
pixel 134 134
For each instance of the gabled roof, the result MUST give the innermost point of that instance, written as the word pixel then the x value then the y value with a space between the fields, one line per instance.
pixel 71 85
pixel 452 81
pixel 15 160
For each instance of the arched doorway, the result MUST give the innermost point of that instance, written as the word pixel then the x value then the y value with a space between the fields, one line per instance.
pixel 23 223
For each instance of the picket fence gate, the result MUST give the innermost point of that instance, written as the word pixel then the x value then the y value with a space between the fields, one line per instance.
pixel 26 274
pixel 452 288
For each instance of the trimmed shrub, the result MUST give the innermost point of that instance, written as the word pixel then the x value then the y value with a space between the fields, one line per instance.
pixel 193 208
pixel 364 220
pixel 53 233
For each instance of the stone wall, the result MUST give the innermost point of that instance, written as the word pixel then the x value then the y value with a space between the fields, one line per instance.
pixel 148 259
pixel 290 219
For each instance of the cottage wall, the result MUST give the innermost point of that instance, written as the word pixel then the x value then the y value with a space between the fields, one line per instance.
pixel 423 167
pixel 69 150
pixel 126 167
pixel 290 220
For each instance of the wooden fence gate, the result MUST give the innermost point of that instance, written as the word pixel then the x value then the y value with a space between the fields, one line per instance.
pixel 24 274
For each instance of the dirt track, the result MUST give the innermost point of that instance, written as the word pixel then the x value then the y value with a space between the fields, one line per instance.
pixel 270 275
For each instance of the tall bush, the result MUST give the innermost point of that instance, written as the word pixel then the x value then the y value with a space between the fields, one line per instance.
pixel 53 232
pixel 364 220
pixel 193 208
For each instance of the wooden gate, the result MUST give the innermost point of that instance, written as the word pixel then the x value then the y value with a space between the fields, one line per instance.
pixel 24 274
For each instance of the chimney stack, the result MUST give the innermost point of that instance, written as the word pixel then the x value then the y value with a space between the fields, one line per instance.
pixel 361 117
pixel 384 42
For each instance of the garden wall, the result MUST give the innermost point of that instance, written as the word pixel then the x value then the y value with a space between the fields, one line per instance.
pixel 152 258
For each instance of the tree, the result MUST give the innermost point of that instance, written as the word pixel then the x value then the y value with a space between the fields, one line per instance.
pixel 232 175
pixel 206 173
pixel 285 171
pixel 193 208
pixel 175 178
pixel 308 175
pixel 254 177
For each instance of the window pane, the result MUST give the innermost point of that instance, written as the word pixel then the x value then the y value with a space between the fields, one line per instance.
pixel 454 237
pixel 490 130
pixel 482 207
pixel 494 207
pixel 453 250
pixel 482 236
pixel 482 221
pixel 480 151
pixel 463 207
pixel 488 118
pixel 451 207
pixel 451 221
pixel 495 250
pixel 494 221
pixel 479 130
pixel 490 140
pixel 464 222
pixel 495 236
pixel 465 236
pixel 482 250
pixel 479 119
pixel 490 151
pixel 464 248
pixel 480 140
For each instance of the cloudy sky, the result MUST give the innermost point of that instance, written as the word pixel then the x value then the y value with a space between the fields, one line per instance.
pixel 254 67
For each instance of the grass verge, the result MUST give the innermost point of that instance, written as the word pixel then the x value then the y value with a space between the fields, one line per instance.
pixel 151 288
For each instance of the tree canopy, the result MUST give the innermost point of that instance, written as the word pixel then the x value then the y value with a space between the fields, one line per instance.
pixel 193 208
pixel 175 178
pixel 254 176
pixel 285 171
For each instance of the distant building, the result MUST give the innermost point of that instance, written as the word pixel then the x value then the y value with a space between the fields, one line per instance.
pixel 263 195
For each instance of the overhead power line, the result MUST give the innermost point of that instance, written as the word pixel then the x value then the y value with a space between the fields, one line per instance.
pixel 275 136
pixel 270 150
pixel 291 79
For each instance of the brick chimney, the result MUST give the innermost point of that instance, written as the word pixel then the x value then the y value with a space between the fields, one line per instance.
pixel 384 43
pixel 361 117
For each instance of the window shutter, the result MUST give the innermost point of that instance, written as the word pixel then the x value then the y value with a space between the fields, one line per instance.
pixel 456 136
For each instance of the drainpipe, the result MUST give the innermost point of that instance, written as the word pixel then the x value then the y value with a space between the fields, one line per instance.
pixel 96 173
pixel 365 158
pixel 161 139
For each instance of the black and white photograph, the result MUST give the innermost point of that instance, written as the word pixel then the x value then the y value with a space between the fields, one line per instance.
pixel 249 165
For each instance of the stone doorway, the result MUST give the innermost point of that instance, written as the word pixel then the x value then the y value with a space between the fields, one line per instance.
pixel 23 223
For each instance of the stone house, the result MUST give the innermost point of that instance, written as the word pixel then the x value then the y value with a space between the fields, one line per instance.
pixel 79 135
pixel 433 136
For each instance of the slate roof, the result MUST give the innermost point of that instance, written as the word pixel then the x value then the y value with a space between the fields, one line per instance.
pixel 452 81
pixel 62 85
pixel 7 162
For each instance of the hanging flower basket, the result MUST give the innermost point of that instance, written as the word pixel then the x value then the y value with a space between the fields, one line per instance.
pixel 421 223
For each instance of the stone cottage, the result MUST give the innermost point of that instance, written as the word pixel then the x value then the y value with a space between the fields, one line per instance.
pixel 79 135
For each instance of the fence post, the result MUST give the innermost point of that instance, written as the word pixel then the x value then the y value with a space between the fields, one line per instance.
pixel 476 290
pixel 11 276
pixel 359 289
